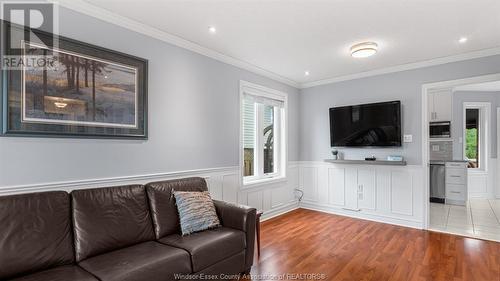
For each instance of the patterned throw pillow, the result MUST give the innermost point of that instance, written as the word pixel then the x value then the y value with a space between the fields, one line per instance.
pixel 196 211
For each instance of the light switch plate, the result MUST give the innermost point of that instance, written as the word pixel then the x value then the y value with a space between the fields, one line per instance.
pixel 408 138
pixel 435 148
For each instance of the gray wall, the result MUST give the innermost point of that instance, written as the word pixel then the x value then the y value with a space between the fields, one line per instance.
pixel 193 117
pixel 405 86
pixel 458 116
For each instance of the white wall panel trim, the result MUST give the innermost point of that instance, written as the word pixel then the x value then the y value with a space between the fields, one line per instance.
pixel 69 185
pixel 376 218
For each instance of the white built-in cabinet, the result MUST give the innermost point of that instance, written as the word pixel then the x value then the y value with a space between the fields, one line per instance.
pixel 384 193
pixel 356 186
pixel 366 189
pixel 440 104
pixel 350 189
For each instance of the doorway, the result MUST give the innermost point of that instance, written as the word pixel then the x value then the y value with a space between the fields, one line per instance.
pixel 461 164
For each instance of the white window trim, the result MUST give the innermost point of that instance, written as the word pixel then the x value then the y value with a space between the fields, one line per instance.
pixel 282 153
pixel 484 137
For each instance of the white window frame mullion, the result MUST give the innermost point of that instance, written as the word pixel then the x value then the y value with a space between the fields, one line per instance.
pixel 259 139
pixel 277 142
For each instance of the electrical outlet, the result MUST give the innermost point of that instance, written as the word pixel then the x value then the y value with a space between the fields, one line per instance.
pixel 408 138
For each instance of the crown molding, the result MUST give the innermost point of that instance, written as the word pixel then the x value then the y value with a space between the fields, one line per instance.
pixel 404 67
pixel 111 17
pixel 108 16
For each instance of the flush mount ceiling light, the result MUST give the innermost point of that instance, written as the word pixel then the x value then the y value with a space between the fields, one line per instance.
pixel 364 50
pixel 462 40
pixel 212 29
pixel 306 73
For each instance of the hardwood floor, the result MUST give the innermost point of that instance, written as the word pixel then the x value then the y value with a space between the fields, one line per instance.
pixel 342 248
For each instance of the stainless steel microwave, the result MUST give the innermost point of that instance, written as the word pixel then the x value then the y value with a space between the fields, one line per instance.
pixel 440 129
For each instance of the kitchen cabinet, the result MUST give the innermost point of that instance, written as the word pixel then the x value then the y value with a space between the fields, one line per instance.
pixel 456 182
pixel 439 105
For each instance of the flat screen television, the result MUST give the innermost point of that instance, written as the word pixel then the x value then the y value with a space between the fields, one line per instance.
pixel 374 124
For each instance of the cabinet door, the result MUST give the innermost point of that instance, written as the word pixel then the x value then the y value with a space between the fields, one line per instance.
pixel 430 106
pixel 366 189
pixel 442 105
pixel 351 188
pixel 336 186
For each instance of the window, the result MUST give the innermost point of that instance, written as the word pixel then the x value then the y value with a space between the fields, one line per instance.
pixel 472 136
pixel 263 133
pixel 475 131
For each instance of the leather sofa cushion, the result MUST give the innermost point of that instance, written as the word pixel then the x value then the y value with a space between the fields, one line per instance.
pixel 35 232
pixel 60 273
pixel 210 246
pixel 235 264
pixel 162 202
pixel 106 219
pixel 149 261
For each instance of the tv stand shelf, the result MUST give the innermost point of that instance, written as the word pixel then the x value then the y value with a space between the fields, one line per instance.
pixel 367 162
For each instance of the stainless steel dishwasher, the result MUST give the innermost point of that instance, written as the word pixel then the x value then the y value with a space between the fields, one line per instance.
pixel 437 181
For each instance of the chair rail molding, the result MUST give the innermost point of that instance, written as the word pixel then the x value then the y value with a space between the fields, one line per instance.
pixel 223 183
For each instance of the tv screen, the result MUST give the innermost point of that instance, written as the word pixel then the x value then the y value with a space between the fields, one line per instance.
pixel 375 124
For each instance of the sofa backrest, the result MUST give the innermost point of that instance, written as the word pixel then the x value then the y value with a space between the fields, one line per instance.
pixel 162 202
pixel 35 232
pixel 106 219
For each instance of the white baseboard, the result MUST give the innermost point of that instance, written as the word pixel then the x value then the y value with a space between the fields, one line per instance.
pixel 281 210
pixel 364 216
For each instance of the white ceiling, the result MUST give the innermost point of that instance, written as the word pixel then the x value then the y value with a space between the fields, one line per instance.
pixel 480 87
pixel 288 37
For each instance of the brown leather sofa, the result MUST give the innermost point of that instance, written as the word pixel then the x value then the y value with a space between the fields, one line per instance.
pixel 124 233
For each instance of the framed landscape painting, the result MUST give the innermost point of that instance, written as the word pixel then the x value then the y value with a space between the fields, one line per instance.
pixel 55 86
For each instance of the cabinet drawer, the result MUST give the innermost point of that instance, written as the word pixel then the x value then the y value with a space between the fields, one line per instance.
pixel 461 165
pixel 456 176
pixel 456 192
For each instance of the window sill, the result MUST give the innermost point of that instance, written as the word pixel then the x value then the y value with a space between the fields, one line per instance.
pixel 260 182
pixel 477 171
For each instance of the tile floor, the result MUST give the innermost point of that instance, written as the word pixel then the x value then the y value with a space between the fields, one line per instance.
pixel 480 218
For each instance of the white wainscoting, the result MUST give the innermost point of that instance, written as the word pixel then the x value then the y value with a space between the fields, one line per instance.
pixel 483 185
pixel 223 183
pixel 390 194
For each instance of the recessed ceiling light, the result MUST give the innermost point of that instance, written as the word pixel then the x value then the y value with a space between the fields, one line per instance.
pixel 462 40
pixel 306 73
pixel 212 29
pixel 363 50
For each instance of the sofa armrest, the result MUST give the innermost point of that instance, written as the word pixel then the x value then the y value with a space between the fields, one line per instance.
pixel 242 218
